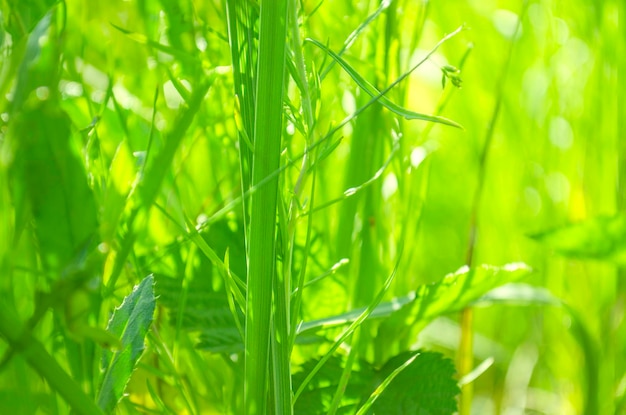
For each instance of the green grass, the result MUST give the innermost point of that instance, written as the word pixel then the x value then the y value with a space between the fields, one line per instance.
pixel 295 207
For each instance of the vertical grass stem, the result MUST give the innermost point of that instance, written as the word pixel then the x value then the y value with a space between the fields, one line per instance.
pixel 261 235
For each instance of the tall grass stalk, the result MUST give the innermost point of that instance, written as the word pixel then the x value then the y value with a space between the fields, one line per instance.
pixel 241 22
pixel 262 281
pixel 466 344
pixel 293 214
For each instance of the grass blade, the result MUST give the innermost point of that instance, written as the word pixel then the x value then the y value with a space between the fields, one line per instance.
pixel 373 92
pixel 261 234
pixel 348 332
pixel 355 34
pixel 241 36
pixel 40 360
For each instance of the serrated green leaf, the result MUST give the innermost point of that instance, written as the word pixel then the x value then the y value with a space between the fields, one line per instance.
pixel 453 293
pixel 130 323
pixel 415 383
pixel 318 394
pixel 601 238
pixel 407 384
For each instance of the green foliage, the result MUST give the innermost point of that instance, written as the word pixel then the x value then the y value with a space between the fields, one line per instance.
pixel 409 383
pixel 195 306
pixel 453 293
pixel 601 238
pixel 423 384
pixel 130 323
pixel 49 179
pixel 266 331
pixel 319 392
pixel 374 93
pixel 286 175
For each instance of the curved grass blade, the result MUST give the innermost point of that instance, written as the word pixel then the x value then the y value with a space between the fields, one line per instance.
pixel 144 40
pixel 374 92
pixel 384 5
pixel 348 331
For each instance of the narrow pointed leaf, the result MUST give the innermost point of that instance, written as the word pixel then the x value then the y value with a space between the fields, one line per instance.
pixel 373 92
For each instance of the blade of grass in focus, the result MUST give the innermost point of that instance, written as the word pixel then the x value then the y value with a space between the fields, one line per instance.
pixel 262 281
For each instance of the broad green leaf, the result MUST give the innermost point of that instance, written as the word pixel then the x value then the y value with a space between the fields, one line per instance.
pixel 130 323
pixel 26 14
pixel 453 293
pixel 601 238
pixel 38 68
pixel 205 312
pixel 441 297
pixel 351 329
pixel 318 394
pixel 415 383
pixel 410 383
pixel 49 179
pixel 373 92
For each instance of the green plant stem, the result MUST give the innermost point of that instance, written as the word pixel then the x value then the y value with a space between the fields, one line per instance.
pixel 307 110
pixel 353 326
pixel 40 360
pixel 241 38
pixel 345 377
pixel 261 247
pixel 149 186
pixel 466 353
pixel 466 360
